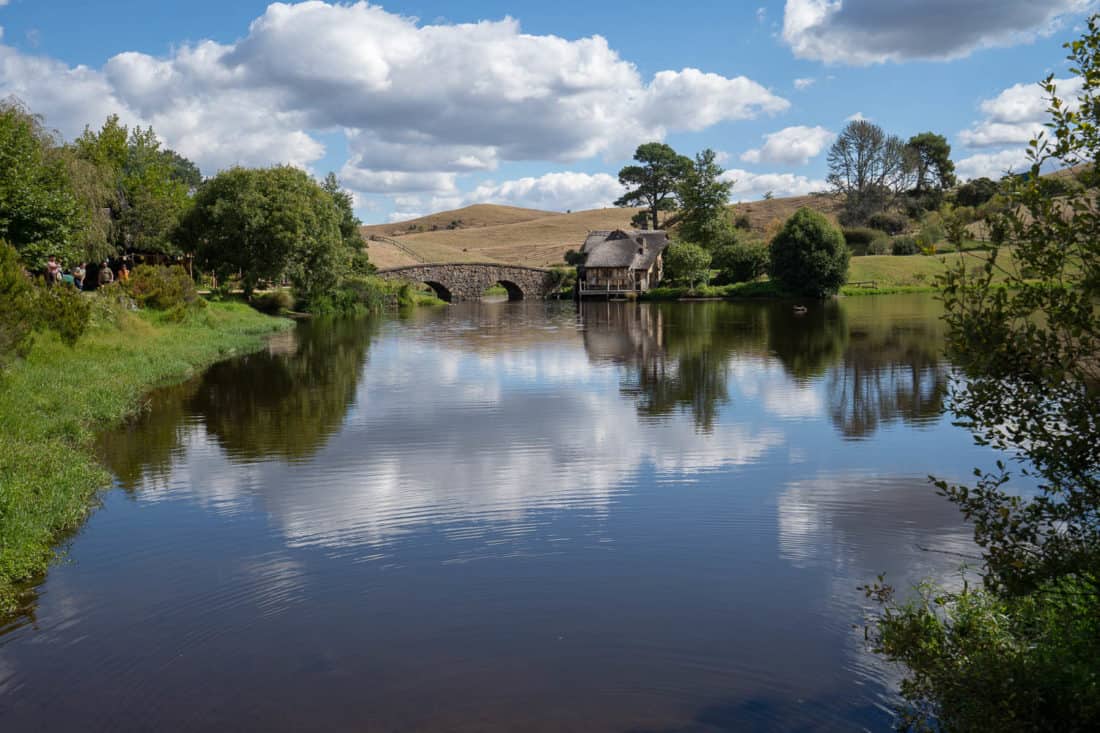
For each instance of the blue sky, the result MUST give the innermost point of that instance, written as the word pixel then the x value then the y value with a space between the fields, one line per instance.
pixel 421 106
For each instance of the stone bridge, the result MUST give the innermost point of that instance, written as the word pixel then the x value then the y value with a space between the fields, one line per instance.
pixel 468 280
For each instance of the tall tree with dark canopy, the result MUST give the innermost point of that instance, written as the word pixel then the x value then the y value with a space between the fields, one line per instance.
pixel 653 184
pixel 930 156
pixel 869 168
pixel 703 200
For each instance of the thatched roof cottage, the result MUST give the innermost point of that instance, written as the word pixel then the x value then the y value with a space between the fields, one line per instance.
pixel 621 261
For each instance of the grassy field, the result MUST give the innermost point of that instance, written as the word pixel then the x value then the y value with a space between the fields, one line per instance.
pixel 51 404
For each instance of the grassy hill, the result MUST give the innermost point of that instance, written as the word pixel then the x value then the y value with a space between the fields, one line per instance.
pixel 491 233
pixel 469 217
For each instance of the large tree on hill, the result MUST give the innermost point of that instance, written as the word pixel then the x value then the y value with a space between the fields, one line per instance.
pixel 930 158
pixel 869 168
pixel 703 200
pixel 654 183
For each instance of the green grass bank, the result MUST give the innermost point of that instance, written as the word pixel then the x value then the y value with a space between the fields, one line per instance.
pixel 53 402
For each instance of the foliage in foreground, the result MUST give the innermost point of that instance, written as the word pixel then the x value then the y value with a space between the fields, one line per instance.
pixel 1022 652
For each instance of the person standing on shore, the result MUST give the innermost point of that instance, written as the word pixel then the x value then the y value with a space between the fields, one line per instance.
pixel 106 275
pixel 123 273
pixel 53 270
pixel 78 276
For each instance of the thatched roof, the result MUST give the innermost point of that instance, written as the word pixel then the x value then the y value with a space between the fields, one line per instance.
pixel 636 249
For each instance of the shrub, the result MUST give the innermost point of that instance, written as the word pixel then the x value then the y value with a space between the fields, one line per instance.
pixel 361 264
pixel 879 246
pixel 742 262
pixel 890 222
pixel 18 311
pixel 742 222
pixel 904 246
pixel 687 263
pixel 162 288
pixel 273 302
pixel 859 238
pixel 809 255
pixel 64 310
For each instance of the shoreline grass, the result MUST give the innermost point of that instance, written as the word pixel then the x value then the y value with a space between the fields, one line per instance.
pixel 53 403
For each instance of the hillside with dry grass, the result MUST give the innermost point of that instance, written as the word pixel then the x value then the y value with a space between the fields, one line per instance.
pixel 491 233
pixel 468 217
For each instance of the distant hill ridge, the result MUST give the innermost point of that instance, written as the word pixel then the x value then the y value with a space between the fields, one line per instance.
pixel 494 233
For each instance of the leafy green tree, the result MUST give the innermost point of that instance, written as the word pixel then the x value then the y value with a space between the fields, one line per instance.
pixel 703 200
pixel 1022 651
pixel 653 184
pixel 687 263
pixel 976 192
pixel 930 156
pixel 264 224
pixel 149 186
pixel 809 256
pixel 349 222
pixel 741 262
pixel 39 211
pixel 181 169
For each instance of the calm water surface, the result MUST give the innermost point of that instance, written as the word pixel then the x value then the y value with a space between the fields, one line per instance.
pixel 509 517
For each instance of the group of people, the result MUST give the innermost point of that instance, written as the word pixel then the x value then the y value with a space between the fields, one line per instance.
pixel 77 276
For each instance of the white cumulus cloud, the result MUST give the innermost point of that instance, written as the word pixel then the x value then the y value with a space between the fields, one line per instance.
pixel 791 146
pixel 861 32
pixel 552 192
pixel 749 186
pixel 419 104
pixel 993 165
pixel 1017 114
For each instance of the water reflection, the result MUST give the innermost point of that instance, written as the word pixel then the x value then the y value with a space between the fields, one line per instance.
pixel 620 517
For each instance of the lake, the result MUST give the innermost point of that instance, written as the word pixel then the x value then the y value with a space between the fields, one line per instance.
pixel 510 516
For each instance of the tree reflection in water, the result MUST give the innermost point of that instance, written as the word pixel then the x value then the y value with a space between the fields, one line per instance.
pixel 284 402
pixel 879 359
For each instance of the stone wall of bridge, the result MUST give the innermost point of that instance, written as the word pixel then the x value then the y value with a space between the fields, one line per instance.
pixel 468 281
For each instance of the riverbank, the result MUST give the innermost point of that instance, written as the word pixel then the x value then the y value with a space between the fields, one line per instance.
pixel 53 403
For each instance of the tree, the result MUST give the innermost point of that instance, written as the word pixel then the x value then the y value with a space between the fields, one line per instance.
pixel 703 200
pixel 868 167
pixel 1024 647
pixel 38 209
pixel 976 192
pixel 149 186
pixel 809 255
pixel 264 224
pixel 575 258
pixel 741 262
pixel 930 158
pixel 654 183
pixel 687 263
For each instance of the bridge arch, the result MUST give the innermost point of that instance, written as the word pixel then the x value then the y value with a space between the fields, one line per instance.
pixel 441 291
pixel 515 292
pixel 461 281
